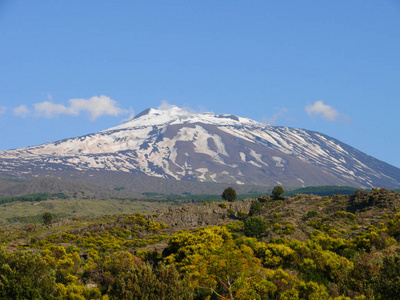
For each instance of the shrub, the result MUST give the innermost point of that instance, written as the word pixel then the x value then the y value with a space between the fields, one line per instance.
pixel 276 227
pixel 242 214
pixel 276 215
pixel 25 275
pixel 289 229
pixel 255 208
pixel 254 226
pixel 231 212
pixel 312 214
pixel 144 282
pixel 223 205
pixel 47 218
pixel 263 198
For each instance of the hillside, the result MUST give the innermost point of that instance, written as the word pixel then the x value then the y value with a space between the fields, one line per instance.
pixel 101 184
pixel 309 246
pixel 177 144
pixel 55 186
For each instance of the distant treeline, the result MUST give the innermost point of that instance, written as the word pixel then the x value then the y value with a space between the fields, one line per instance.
pixel 13 179
pixel 328 190
pixel 317 190
pixel 189 198
pixel 323 190
pixel 33 197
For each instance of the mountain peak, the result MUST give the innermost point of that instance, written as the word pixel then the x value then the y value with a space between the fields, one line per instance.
pixel 171 111
pixel 172 114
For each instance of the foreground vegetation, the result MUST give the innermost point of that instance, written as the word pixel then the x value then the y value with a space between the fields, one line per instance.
pixel 273 247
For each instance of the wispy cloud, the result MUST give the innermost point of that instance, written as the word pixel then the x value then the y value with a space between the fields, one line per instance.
pixel 2 109
pixel 200 108
pixel 272 120
pixel 50 110
pixel 22 111
pixel 165 105
pixel 326 112
pixel 131 115
pixel 95 107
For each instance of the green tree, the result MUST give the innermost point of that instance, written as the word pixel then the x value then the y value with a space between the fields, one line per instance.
pixel 144 282
pixel 47 218
pixel 388 282
pixel 232 272
pixel 277 192
pixel 229 194
pixel 254 226
pixel 25 275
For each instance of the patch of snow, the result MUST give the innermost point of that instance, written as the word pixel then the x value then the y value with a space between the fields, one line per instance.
pixel 279 161
pixel 213 176
pixel 242 156
pixel 203 172
pixel 255 164
pixel 177 115
pixel 257 157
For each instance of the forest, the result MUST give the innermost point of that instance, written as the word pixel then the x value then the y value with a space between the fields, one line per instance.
pixel 271 247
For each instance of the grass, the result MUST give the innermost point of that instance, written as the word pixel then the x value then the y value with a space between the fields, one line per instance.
pixel 21 213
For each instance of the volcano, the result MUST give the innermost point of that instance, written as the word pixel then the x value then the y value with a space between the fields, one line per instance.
pixel 179 144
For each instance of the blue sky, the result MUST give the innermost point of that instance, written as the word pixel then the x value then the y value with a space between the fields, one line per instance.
pixel 68 68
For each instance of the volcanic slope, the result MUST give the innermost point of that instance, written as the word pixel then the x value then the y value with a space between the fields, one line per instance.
pixel 178 144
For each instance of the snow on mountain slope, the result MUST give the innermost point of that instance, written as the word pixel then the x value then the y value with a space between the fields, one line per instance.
pixel 176 143
pixel 176 115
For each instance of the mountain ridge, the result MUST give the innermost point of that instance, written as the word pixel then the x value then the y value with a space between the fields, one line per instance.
pixel 184 145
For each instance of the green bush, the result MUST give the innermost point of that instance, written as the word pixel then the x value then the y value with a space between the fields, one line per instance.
pixel 289 229
pixel 254 226
pixel 263 198
pixel 312 214
pixel 144 282
pixel 47 218
pixel 223 205
pixel 242 214
pixel 25 275
pixel 255 208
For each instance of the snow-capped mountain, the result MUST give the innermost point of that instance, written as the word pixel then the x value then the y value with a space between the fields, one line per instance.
pixel 176 143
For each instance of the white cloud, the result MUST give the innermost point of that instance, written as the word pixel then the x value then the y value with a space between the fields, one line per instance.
pixel 131 115
pixel 200 108
pixel 165 105
pixel 2 109
pixel 273 119
pixel 327 112
pixel 21 111
pixel 49 110
pixel 95 107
